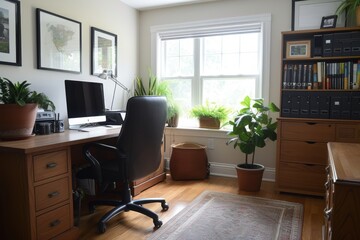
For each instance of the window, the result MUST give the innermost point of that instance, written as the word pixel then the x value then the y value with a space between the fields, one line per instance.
pixel 213 62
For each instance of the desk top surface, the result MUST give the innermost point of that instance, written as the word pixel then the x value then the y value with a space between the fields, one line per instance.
pixel 67 138
pixel 345 161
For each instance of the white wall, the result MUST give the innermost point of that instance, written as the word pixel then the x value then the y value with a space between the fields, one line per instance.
pixel 222 157
pixel 112 16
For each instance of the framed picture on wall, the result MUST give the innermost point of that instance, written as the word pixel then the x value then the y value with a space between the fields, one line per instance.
pixel 307 14
pixel 10 32
pixel 103 52
pixel 58 42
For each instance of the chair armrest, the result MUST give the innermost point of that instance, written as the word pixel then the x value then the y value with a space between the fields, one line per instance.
pixel 95 163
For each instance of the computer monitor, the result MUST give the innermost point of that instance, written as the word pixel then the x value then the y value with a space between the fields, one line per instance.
pixel 85 103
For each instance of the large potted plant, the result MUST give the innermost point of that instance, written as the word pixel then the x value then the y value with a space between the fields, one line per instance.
pixel 18 109
pixel 251 127
pixel 210 115
pixel 350 8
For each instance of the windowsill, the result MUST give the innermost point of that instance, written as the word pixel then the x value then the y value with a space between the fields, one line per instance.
pixel 196 131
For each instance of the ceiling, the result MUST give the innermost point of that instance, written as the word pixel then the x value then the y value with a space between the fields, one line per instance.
pixel 151 4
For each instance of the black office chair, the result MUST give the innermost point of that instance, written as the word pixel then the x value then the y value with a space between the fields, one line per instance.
pixel 138 153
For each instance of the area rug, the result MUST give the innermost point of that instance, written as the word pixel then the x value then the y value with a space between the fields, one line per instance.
pixel 215 216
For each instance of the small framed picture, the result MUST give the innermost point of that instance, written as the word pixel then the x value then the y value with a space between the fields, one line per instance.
pixel 58 42
pixel 328 21
pixel 103 51
pixel 298 49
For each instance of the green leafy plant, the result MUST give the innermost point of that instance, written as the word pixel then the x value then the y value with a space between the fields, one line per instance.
pixel 348 6
pixel 210 110
pixel 158 89
pixel 20 93
pixel 251 127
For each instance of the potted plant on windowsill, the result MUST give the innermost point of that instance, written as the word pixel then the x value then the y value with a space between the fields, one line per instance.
pixel 350 8
pixel 251 127
pixel 210 115
pixel 18 109
pixel 159 89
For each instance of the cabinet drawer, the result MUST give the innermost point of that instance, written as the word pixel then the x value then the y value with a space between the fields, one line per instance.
pixel 303 152
pixel 348 133
pixel 50 164
pixel 53 223
pixel 308 131
pixel 302 178
pixel 51 193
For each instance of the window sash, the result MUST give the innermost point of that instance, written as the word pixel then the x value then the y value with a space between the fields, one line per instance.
pixel 261 23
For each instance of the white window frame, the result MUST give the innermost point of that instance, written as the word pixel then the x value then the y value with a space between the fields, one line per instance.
pixel 263 19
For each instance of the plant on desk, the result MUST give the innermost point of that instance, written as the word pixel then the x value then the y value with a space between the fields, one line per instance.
pixel 18 109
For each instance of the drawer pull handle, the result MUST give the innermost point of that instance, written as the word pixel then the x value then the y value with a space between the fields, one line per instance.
pixel 327 185
pixel 53 194
pixel 327 169
pixel 51 165
pixel 310 142
pixel 327 214
pixel 310 123
pixel 55 223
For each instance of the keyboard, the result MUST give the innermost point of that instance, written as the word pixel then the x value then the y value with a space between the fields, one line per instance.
pixel 98 128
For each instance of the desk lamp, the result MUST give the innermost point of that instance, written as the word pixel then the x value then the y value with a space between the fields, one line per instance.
pixel 107 74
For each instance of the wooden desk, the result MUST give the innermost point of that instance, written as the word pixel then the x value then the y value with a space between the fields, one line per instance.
pixel 36 184
pixel 342 212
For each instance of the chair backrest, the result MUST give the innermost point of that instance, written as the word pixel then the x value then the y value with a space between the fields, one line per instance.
pixel 141 135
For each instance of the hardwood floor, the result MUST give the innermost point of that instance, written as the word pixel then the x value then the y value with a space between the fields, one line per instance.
pixel 179 194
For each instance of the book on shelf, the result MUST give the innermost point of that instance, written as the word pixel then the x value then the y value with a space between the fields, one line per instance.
pixel 322 75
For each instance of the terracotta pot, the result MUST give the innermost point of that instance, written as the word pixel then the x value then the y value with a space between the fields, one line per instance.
pixel 17 122
pixel 206 122
pixel 250 179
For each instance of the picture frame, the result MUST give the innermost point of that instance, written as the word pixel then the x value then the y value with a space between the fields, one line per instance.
pixel 298 49
pixel 307 14
pixel 328 21
pixel 58 42
pixel 10 33
pixel 103 51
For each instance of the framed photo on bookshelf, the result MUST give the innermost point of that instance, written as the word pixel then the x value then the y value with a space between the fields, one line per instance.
pixel 328 21
pixel 298 49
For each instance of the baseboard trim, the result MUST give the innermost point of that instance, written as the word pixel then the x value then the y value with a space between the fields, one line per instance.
pixel 228 170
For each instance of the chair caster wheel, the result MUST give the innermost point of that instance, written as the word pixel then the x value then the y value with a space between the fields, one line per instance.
pixel 157 224
pixel 101 227
pixel 165 206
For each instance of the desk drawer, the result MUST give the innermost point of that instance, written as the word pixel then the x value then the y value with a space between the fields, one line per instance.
pixel 308 131
pixel 50 164
pixel 303 152
pixel 52 193
pixel 302 178
pixel 53 223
